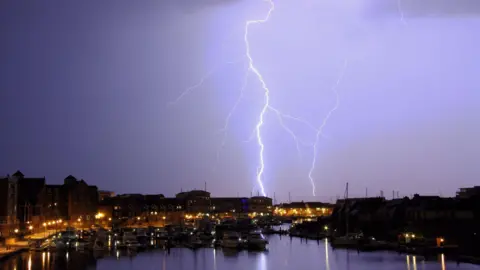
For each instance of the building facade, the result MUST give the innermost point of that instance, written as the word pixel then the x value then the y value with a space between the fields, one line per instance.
pixel 74 202
pixel 29 208
pixel 467 193
pixel 195 201
pixel 8 205
pixel 260 205
pixel 303 209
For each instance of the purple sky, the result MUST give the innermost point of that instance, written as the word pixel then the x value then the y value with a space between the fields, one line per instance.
pixel 86 87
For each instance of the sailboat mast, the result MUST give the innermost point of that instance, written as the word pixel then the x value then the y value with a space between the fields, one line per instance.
pixel 346 209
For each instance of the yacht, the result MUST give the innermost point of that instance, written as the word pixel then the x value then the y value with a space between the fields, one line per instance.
pixel 162 237
pixel 37 245
pixel 80 244
pixel 194 241
pixel 132 244
pixel 129 241
pixel 231 240
pixel 256 240
pixel 54 244
pixel 349 240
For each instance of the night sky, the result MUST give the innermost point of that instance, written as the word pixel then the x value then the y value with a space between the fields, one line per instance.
pixel 86 88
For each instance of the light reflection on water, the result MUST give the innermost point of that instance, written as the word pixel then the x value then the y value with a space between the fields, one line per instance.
pixel 284 253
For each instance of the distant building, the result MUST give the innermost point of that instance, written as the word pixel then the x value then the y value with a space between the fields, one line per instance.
pixel 229 205
pixel 127 206
pixel 466 193
pixel 195 201
pixel 303 209
pixel 103 194
pixel 260 205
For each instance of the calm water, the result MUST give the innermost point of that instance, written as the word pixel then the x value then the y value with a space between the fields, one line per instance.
pixel 283 253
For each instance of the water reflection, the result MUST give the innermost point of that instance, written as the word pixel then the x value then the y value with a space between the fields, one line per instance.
pixel 442 258
pixel 30 262
pixel 327 260
pixel 262 262
pixel 214 259
pixel 283 254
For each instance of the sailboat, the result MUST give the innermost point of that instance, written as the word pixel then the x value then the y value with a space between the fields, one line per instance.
pixel 347 240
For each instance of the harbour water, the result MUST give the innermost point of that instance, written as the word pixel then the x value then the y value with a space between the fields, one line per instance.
pixel 283 253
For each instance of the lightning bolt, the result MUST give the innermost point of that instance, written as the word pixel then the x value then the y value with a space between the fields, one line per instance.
pixel 324 123
pixel 254 70
pixel 256 133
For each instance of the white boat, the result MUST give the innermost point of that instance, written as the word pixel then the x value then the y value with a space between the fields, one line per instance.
pixel 162 237
pixel 37 245
pixel 132 244
pixel 256 240
pixel 129 240
pixel 54 244
pixel 81 244
pixel 350 240
pixel 231 240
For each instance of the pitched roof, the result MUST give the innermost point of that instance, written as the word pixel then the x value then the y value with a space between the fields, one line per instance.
pixel 70 177
pixel 18 173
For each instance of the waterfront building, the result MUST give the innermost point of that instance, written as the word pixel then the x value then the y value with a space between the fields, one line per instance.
pixel 8 205
pixel 260 205
pixel 229 206
pixel 28 199
pixel 74 202
pixel 54 204
pixel 127 206
pixel 195 201
pixel 303 209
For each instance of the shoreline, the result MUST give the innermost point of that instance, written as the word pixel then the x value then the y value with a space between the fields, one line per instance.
pixel 7 254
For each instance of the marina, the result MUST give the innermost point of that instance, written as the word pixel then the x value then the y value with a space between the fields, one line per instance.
pixel 282 253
